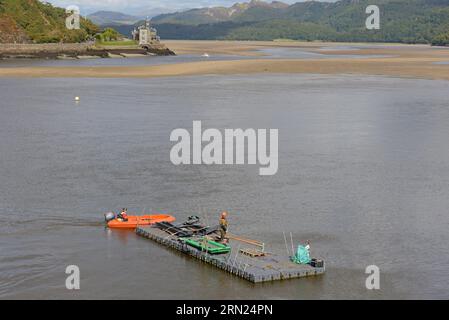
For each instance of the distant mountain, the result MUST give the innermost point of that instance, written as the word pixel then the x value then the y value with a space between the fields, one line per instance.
pixel 35 21
pixel 112 18
pixel 220 14
pixel 408 21
pixel 148 9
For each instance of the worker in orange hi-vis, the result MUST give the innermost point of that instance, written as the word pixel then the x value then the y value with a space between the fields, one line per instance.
pixel 223 225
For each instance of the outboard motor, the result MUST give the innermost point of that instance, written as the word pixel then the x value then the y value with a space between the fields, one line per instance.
pixel 109 216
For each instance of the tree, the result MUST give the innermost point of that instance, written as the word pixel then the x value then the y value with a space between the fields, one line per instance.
pixel 108 34
pixel 441 40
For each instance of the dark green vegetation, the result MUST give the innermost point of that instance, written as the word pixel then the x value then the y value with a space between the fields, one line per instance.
pixel 34 21
pixel 407 21
pixel 441 39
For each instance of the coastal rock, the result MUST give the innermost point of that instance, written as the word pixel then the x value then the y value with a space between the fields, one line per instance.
pixel 10 32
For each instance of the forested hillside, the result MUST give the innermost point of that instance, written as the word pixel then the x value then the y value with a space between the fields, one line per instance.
pixel 408 21
pixel 34 21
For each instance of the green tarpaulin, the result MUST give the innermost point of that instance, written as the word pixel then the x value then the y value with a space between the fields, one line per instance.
pixel 302 256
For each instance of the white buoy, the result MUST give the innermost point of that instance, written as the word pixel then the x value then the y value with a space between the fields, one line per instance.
pixel 77 99
pixel 205 55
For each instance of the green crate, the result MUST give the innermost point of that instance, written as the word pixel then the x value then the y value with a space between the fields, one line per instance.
pixel 209 246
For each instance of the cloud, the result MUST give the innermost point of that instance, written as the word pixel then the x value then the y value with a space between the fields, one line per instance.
pixel 144 7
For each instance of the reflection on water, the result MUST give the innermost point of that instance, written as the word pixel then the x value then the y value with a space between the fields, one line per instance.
pixel 363 173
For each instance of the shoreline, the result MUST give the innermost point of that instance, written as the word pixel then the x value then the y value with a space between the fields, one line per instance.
pixel 9 51
pixel 377 67
pixel 411 61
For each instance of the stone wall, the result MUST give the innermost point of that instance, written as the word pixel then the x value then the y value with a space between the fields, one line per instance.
pixel 20 48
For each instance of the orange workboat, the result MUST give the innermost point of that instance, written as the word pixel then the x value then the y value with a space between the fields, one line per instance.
pixel 134 221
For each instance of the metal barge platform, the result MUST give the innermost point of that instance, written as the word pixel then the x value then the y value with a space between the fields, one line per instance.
pixel 239 261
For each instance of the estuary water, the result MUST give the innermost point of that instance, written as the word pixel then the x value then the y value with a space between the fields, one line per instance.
pixel 363 174
pixel 264 53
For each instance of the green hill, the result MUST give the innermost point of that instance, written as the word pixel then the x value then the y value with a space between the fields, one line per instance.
pixel 111 17
pixel 254 10
pixel 408 21
pixel 34 21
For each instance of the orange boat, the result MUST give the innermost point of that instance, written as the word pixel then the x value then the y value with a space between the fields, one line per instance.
pixel 134 221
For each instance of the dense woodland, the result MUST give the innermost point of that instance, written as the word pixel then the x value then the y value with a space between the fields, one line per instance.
pixel 35 21
pixel 407 21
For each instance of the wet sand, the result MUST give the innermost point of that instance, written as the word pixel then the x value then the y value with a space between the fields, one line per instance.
pixel 414 61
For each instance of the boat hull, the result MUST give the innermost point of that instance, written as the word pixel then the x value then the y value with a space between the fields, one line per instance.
pixel 145 220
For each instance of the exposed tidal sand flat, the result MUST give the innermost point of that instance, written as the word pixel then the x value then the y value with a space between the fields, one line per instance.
pixel 415 61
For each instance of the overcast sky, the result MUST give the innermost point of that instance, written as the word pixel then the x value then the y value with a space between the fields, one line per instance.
pixel 145 7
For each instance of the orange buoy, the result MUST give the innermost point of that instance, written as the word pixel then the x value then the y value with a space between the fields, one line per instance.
pixel 134 221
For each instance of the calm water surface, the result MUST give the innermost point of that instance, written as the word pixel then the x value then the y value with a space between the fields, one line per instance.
pixel 363 173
